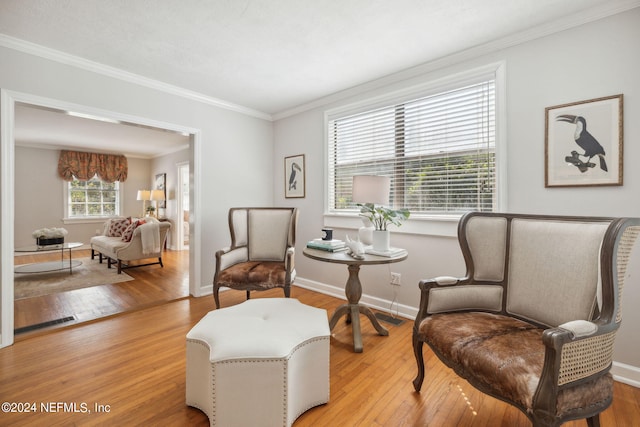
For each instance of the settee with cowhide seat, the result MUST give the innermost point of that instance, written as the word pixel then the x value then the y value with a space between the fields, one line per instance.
pixel 534 319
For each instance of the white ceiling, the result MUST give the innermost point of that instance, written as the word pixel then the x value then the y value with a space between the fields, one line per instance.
pixel 53 129
pixel 274 56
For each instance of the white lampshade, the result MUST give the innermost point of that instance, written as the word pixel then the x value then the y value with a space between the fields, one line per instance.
pixel 371 189
pixel 144 195
pixel 157 194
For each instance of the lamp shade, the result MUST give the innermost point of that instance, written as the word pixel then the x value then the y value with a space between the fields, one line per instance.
pixel 371 189
pixel 144 195
pixel 157 194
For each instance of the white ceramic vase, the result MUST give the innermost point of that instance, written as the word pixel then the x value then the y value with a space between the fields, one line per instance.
pixel 365 233
pixel 381 240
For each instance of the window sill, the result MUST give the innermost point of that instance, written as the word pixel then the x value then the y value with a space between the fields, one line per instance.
pixel 93 220
pixel 444 226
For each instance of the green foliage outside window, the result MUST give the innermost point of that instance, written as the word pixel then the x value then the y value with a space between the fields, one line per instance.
pixel 429 181
pixel 93 198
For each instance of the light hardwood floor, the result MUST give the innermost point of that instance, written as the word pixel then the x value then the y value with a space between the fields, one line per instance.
pixel 152 285
pixel 133 365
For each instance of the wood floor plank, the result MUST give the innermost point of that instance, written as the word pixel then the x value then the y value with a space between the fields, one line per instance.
pixel 133 364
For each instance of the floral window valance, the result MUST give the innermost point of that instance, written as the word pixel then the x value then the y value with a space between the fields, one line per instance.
pixel 83 166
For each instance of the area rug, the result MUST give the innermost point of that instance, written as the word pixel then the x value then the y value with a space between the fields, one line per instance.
pixel 90 273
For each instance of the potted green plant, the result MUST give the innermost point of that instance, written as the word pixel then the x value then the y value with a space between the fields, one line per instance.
pixel 381 217
pixel 150 210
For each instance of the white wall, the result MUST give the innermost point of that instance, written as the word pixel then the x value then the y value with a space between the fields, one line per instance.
pixel 590 61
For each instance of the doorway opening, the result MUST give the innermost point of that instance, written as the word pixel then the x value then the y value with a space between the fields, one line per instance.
pixel 182 196
pixel 186 263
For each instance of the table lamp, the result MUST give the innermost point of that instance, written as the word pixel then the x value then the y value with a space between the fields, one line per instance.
pixel 144 195
pixel 157 195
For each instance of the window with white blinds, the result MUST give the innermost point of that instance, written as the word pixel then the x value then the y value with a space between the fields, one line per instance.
pixel 438 150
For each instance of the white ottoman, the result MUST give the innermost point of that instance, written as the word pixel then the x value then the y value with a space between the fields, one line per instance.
pixel 260 363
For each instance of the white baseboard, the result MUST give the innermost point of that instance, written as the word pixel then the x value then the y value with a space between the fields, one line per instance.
pixel 380 304
pixel 626 374
pixel 208 290
pixel 322 288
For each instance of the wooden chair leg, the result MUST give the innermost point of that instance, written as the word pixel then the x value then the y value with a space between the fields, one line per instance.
pixel 594 421
pixel 248 295
pixel 160 261
pixel 93 254
pixel 216 298
pixel 417 350
pixel 119 266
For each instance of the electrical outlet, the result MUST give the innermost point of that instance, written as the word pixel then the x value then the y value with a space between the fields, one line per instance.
pixel 395 279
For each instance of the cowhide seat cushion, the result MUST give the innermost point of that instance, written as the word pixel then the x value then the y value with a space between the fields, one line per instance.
pixel 265 274
pixel 502 356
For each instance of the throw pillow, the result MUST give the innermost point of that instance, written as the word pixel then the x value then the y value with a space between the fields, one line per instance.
pixel 117 226
pixel 128 233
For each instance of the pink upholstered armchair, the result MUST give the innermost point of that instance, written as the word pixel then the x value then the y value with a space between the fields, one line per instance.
pixel 261 255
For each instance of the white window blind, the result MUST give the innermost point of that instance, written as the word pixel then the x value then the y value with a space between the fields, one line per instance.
pixel 438 150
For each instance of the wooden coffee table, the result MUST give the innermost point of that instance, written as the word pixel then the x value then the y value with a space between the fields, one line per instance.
pixel 353 289
pixel 41 267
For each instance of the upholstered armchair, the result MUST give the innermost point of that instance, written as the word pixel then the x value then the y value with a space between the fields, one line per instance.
pixel 261 255
pixel 533 321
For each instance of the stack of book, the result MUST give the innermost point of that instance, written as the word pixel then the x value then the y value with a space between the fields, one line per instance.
pixel 390 253
pixel 334 245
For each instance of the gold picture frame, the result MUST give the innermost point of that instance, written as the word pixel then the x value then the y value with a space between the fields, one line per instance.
pixel 583 143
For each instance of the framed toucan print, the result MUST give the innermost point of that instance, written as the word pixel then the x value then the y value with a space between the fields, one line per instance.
pixel 583 143
pixel 294 176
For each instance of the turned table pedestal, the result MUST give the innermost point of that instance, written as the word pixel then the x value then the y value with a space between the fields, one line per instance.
pixel 353 289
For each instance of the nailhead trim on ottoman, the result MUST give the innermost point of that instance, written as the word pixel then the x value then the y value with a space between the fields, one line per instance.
pixel 263 362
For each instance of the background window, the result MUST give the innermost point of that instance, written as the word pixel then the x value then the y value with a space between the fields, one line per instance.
pixel 438 150
pixel 93 198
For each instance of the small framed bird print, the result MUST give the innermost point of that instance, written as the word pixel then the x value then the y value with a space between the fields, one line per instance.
pixel 583 143
pixel 294 176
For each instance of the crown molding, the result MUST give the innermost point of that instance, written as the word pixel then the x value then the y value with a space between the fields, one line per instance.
pixel 566 23
pixel 56 147
pixel 76 61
